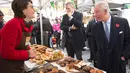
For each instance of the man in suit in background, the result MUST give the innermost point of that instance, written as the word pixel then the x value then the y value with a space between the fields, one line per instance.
pixel 88 33
pixel 73 36
pixel 111 40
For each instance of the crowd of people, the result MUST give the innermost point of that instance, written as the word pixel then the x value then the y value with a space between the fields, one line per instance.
pixel 108 37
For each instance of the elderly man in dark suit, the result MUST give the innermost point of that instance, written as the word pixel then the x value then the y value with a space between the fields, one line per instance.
pixel 111 40
pixel 72 27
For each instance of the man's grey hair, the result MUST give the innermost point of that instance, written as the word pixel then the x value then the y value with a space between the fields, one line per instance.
pixel 71 4
pixel 103 5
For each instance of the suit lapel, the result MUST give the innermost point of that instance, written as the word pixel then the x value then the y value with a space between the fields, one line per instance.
pixel 74 14
pixel 101 34
pixel 113 32
pixel 67 19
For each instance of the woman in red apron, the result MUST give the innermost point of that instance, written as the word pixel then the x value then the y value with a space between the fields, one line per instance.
pixel 14 37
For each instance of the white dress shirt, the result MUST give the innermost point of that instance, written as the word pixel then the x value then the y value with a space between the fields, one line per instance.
pixel 108 22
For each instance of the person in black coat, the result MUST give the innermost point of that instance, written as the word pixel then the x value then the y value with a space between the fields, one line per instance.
pixel 111 40
pixel 1 19
pixel 47 31
pixel 72 31
pixel 91 23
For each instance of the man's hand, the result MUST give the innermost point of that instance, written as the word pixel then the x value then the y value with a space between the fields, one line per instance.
pixel 74 27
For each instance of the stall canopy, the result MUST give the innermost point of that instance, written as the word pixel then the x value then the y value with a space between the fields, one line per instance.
pixel 86 5
pixel 7 3
pixel 36 3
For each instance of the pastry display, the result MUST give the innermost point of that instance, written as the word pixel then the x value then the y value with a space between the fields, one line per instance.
pixel 45 56
pixel 67 60
pixel 39 50
pixel 77 66
pixel 56 55
pixel 96 71
pixel 48 68
pixel 44 53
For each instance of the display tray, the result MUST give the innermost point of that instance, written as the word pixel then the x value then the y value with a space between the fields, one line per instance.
pixel 47 68
pixel 72 65
pixel 29 66
pixel 76 71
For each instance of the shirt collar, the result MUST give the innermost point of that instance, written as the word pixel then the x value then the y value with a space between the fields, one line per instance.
pixel 109 20
pixel 72 12
pixel 95 20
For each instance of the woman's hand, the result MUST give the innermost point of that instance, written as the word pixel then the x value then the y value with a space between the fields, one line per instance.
pixel 32 54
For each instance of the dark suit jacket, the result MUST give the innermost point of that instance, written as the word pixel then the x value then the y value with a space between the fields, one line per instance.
pixel 77 35
pixel 89 32
pixel 108 55
pixel 45 24
pixel 89 28
pixel 88 35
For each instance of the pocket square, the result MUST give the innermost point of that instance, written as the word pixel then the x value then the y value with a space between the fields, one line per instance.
pixel 120 32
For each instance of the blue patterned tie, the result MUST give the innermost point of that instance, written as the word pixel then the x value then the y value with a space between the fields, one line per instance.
pixel 107 31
